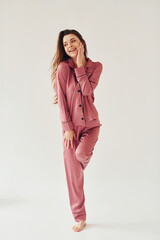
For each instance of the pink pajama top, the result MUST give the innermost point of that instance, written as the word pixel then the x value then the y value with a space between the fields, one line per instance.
pixel 74 88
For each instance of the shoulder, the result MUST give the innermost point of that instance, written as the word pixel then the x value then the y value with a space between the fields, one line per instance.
pixel 63 66
pixel 62 72
pixel 97 66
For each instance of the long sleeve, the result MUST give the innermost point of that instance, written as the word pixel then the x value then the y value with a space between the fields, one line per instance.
pixel 65 118
pixel 88 84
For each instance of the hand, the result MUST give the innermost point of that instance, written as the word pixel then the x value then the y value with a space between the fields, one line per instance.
pixel 80 56
pixel 68 138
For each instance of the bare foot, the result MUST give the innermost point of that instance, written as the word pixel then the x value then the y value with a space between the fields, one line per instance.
pixel 79 226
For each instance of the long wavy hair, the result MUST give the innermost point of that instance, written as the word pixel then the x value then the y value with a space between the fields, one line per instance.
pixel 61 55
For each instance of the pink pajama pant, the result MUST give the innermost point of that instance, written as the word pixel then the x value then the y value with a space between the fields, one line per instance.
pixel 75 162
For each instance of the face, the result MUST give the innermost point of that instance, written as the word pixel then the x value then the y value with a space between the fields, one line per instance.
pixel 71 43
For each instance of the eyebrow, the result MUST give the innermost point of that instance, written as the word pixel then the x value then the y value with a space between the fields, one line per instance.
pixel 70 40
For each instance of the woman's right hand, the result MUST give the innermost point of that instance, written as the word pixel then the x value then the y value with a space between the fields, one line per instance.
pixel 69 137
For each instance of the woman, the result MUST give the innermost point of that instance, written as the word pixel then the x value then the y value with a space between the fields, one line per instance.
pixel 74 77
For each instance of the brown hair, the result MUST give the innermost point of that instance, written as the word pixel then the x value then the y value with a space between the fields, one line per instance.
pixel 61 55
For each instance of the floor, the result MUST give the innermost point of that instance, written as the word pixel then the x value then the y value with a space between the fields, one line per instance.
pixel 42 218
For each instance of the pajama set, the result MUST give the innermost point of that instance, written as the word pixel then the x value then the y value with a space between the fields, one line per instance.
pixel 74 88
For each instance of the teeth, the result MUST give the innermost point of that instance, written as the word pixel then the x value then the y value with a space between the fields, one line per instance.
pixel 72 50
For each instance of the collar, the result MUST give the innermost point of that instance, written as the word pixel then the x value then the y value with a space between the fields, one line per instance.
pixel 72 64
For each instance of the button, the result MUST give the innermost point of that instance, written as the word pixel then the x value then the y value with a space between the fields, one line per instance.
pixel 78 90
pixel 82 118
pixel 80 105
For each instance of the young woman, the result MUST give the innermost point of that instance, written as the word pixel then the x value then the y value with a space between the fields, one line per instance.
pixel 74 78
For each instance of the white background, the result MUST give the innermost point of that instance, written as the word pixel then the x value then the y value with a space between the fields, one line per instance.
pixel 122 180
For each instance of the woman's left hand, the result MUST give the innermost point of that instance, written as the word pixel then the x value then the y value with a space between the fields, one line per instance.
pixel 80 56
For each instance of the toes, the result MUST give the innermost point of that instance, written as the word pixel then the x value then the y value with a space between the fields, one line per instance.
pixel 78 227
pixel 73 227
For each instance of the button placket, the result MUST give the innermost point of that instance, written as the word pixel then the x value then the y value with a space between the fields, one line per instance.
pixel 80 105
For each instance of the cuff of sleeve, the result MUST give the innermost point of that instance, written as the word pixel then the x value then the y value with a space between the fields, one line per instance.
pixel 79 71
pixel 67 126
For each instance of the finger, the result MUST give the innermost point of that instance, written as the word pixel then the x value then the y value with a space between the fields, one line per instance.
pixel 71 143
pixel 81 49
pixel 78 51
pixel 67 144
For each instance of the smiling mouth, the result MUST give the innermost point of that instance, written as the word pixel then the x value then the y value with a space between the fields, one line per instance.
pixel 72 50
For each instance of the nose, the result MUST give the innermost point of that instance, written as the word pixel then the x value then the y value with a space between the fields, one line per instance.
pixel 70 44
